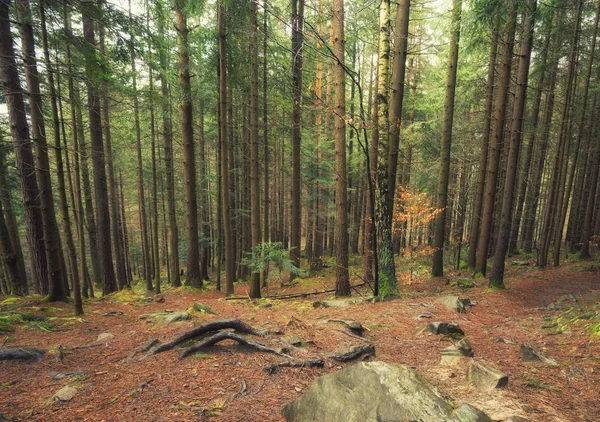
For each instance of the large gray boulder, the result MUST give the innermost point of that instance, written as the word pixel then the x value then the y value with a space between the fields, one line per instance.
pixel 374 392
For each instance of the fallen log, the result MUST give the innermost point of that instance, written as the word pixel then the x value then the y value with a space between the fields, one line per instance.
pixel 228 335
pixel 235 324
pixel 21 353
pixel 273 369
pixel 363 351
pixel 293 295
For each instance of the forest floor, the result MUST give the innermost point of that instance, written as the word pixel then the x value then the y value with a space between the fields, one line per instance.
pixel 228 382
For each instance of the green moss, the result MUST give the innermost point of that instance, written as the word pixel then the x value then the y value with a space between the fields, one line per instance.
pixel 11 300
pixel 533 383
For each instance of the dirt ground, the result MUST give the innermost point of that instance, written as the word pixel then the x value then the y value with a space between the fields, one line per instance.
pixel 228 382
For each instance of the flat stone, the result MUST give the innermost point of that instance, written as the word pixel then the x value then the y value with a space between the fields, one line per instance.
pixel 373 392
pixel 65 394
pixel 105 337
pixel 175 317
pixel 485 377
pixel 297 341
pixel 531 354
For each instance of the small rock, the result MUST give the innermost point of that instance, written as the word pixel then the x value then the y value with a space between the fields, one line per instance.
pixel 468 413
pixel 503 340
pixel 516 419
pixel 425 315
pixel 456 352
pixel 296 341
pixel 531 354
pixel 442 328
pixel 105 337
pixel 354 326
pixel 454 303
pixel 200 307
pixel 64 394
pixel 486 377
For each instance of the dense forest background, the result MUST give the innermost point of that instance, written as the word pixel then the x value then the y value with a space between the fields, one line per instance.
pixel 176 142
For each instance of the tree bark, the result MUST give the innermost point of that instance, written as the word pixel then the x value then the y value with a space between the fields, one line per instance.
pixel 496 143
pixel 483 156
pixel 448 119
pixel 399 66
pixel 341 179
pixel 254 167
pixel 107 270
pixel 62 192
pixel 57 275
pixel 227 229
pixel 497 274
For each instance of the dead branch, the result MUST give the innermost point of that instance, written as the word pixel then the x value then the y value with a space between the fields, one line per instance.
pixel 235 324
pixel 363 351
pixel 293 295
pixel 349 334
pixel 273 369
pixel 228 335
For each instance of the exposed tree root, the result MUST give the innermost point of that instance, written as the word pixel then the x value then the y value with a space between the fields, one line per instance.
pixel 235 324
pixel 21 353
pixel 143 348
pixel 228 335
pixel 364 351
pixel 273 369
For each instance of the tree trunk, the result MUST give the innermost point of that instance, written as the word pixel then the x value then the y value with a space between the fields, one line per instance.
pixel 342 285
pixel 109 283
pixel 400 53
pixel 62 192
pixel 57 275
pixel 297 52
pixel 442 200
pixel 483 157
pixel 229 255
pixel 497 274
pixel 112 184
pixel 383 217
pixel 496 143
pixel 254 167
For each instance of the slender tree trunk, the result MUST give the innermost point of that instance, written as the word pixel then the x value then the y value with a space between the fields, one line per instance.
pixel 483 156
pixel 254 167
pixel 582 124
pixel 317 250
pixel 62 192
pixel 383 217
pixel 112 184
pixel 587 230
pixel 204 199
pixel 442 200
pixel 525 180
pixel 556 183
pixel 155 236
pixel 57 274
pixel 496 143
pixel 140 173
pixel 167 129
pixel 400 53
pixel 109 283
pixel 342 285
pixel 229 255
pixel 497 274
pixel 297 52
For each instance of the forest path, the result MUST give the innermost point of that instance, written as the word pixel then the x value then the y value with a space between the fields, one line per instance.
pixel 228 383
